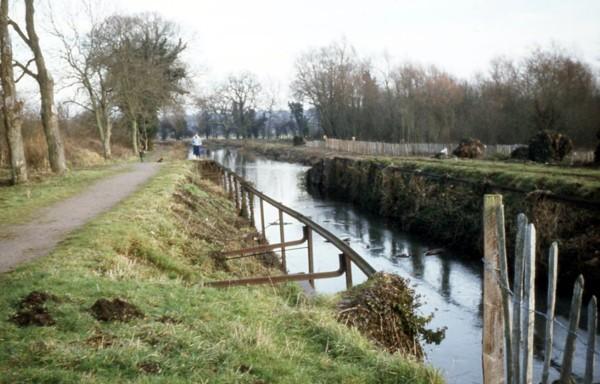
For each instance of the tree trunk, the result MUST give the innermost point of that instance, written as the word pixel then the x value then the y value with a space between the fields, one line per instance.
pixel 11 107
pixel 106 140
pixel 56 149
pixel 134 137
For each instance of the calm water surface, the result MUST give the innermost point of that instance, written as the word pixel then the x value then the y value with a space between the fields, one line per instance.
pixel 451 288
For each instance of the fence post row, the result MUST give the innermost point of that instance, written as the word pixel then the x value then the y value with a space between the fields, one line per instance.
pixel 423 149
pixel 516 366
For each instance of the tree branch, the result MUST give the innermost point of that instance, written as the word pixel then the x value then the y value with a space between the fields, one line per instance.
pixel 25 69
pixel 20 32
pixel 80 104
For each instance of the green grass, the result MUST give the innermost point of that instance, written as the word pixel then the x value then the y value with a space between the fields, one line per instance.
pixel 583 182
pixel 18 203
pixel 154 250
pixel 573 181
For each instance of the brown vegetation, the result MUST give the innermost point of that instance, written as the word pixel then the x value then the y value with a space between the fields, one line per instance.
pixel 385 309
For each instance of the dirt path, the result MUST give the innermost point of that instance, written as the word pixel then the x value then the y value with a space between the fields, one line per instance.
pixel 24 242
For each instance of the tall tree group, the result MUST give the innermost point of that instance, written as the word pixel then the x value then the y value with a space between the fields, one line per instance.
pixel 12 107
pixel 126 68
pixel 547 90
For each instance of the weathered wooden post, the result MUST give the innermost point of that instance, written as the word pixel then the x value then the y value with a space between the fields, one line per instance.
pixel 282 240
pixel 591 340
pixel 551 302
pixel 309 244
pixel 518 296
pixel 492 348
pixel 529 300
pixel 567 363
pixel 505 288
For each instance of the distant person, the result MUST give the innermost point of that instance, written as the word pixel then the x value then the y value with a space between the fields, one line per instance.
pixel 196 145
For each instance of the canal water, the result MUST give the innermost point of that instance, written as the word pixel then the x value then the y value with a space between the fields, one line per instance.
pixel 450 287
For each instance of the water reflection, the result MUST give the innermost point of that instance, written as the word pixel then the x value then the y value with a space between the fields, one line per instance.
pixel 450 287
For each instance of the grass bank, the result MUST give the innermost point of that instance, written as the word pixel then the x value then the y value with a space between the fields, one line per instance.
pixel 154 251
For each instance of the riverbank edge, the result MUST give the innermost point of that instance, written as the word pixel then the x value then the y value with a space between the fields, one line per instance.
pixel 449 212
pixel 153 251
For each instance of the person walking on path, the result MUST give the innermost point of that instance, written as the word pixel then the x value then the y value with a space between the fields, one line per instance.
pixel 196 144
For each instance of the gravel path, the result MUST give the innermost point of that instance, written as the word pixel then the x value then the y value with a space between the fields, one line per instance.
pixel 24 242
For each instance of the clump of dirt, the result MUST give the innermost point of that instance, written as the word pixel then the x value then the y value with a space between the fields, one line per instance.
pixel 115 310
pixel 384 309
pixel 149 367
pixel 469 149
pixel 169 320
pixel 32 310
pixel 100 340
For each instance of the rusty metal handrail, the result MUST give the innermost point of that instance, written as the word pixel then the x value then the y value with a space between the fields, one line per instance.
pixel 360 262
pixel 268 247
pixel 282 278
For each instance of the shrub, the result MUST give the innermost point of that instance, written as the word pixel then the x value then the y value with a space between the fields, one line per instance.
pixel 298 140
pixel 520 153
pixel 469 149
pixel 547 146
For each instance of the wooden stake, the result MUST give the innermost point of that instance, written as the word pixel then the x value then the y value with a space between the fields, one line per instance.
pixel 529 300
pixel 518 297
pixel 551 302
pixel 591 341
pixel 505 291
pixel 492 348
pixel 567 364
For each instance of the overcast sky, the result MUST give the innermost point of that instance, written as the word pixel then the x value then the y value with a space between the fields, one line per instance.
pixel 460 36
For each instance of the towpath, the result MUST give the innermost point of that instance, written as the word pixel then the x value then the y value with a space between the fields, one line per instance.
pixel 25 242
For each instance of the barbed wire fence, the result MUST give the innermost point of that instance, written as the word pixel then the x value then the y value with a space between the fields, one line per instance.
pixel 509 313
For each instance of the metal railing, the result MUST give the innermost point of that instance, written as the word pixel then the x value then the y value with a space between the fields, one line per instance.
pixel 244 194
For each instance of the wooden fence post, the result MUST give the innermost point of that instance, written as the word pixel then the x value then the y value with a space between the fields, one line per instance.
pixel 518 296
pixel 552 273
pixel 591 341
pixel 567 364
pixel 492 348
pixel 529 310
pixel 505 288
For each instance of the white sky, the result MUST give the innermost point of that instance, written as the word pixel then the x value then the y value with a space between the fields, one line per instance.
pixel 460 36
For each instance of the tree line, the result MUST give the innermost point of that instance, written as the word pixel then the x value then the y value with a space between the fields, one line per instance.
pixel 125 69
pixel 547 90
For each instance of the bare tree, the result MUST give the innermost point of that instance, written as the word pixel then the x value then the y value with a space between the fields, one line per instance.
pixel 243 91
pixel 11 106
pixel 80 53
pixel 141 54
pixel 56 150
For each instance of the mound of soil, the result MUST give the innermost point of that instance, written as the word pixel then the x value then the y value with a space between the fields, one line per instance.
pixel 149 367
pixel 31 310
pixel 115 310
pixel 384 309
pixel 469 149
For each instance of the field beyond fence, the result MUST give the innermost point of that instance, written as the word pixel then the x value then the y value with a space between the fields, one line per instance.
pixel 425 149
